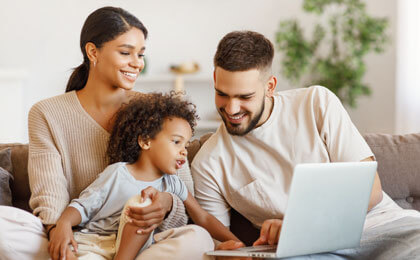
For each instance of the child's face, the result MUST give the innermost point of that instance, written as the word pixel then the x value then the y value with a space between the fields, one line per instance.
pixel 168 148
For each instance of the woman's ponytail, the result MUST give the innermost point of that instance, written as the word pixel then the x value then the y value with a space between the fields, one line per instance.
pixel 78 78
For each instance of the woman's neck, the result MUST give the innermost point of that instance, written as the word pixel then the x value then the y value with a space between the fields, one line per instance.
pixel 102 96
pixel 102 101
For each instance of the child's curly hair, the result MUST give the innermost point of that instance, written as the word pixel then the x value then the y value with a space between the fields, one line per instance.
pixel 143 118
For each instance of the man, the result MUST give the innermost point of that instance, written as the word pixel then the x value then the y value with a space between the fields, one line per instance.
pixel 248 163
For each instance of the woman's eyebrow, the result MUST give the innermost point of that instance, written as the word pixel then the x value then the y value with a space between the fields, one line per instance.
pixel 130 46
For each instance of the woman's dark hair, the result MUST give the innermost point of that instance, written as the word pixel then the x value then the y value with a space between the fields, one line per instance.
pixel 101 26
pixel 143 118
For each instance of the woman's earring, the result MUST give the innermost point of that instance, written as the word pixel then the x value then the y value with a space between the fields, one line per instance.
pixel 94 64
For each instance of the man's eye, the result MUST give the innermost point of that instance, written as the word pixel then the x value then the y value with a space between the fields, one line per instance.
pixel 246 97
pixel 124 53
pixel 141 55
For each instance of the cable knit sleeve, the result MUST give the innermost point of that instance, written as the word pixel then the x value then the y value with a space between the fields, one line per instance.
pixel 178 216
pixel 49 192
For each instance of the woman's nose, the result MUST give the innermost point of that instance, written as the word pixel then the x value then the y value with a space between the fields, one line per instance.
pixel 137 63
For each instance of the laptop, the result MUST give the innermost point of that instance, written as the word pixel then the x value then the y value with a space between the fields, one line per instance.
pixel 326 211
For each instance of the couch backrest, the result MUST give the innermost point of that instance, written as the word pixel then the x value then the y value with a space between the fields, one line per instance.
pixel 398 159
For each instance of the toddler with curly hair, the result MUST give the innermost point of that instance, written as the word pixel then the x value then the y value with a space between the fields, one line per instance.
pixel 147 145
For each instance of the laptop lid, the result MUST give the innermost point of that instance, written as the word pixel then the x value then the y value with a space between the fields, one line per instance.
pixel 327 207
pixel 325 212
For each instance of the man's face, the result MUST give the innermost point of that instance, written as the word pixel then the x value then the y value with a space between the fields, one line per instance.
pixel 241 99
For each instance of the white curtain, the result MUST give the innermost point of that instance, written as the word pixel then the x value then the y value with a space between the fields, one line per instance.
pixel 408 67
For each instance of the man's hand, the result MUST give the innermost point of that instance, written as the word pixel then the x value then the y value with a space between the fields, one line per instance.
pixel 231 245
pixel 60 238
pixel 150 217
pixel 270 232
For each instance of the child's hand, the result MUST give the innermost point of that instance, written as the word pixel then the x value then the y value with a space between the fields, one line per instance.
pixel 270 232
pixel 149 192
pixel 60 238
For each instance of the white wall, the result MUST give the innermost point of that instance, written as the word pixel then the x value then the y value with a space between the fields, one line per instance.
pixel 11 105
pixel 377 112
pixel 42 38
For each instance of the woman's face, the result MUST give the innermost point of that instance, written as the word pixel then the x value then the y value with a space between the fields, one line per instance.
pixel 120 61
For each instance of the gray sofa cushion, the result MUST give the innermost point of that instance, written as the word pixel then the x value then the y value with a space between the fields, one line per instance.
pixel 20 183
pixel 5 177
pixel 398 159
pixel 5 159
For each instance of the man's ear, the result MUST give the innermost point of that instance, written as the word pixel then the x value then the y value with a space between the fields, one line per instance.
pixel 144 144
pixel 214 76
pixel 271 86
pixel 91 52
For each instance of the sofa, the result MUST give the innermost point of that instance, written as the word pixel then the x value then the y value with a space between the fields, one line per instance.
pixel 398 159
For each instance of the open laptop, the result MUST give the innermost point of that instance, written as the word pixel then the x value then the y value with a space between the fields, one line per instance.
pixel 325 211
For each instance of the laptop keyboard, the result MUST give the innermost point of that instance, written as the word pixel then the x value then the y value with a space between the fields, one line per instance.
pixel 262 248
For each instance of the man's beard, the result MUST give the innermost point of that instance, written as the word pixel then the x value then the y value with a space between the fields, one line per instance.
pixel 234 129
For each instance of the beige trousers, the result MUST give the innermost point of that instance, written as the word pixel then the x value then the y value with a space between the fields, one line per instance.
pixel 22 237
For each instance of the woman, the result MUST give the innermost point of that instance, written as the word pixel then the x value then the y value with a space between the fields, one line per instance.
pixel 68 136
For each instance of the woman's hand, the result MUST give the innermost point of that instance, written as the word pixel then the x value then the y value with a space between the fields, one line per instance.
pixel 150 217
pixel 60 238
pixel 270 232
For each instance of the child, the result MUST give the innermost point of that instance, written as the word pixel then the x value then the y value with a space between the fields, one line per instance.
pixel 147 146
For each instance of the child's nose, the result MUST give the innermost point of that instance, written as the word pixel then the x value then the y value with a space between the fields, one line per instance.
pixel 184 152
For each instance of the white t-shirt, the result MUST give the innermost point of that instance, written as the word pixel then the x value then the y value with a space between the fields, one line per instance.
pixel 253 173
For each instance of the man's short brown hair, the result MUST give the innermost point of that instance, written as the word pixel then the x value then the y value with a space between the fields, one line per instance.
pixel 244 50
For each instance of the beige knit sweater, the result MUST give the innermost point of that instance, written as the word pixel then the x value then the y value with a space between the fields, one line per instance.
pixel 67 150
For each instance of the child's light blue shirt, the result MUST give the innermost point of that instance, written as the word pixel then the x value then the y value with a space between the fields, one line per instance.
pixel 101 203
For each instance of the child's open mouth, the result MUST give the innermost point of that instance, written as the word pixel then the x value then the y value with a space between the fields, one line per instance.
pixel 179 163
